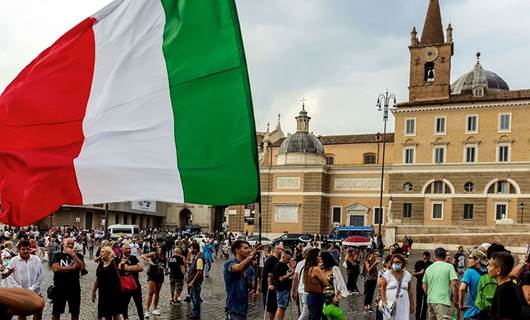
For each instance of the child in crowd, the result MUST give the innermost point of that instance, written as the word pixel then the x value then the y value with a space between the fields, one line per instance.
pixel 505 304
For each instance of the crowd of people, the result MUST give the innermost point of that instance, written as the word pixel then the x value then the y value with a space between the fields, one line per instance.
pixel 485 282
pixel 160 253
pixel 313 278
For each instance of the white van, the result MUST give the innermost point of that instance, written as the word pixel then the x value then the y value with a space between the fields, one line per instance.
pixel 123 230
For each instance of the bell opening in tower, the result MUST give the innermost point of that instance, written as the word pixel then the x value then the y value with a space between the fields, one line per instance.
pixel 429 71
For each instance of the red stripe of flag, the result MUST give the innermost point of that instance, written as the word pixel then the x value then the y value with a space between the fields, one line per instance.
pixel 41 118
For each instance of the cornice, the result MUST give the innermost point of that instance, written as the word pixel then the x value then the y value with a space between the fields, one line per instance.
pixel 461 106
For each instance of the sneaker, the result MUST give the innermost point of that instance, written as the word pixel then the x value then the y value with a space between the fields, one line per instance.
pixel 156 312
pixel 147 315
pixel 173 303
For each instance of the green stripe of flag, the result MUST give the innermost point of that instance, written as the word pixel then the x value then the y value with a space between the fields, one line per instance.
pixel 212 105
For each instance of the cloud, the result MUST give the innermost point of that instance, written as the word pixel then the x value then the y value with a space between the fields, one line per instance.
pixel 339 54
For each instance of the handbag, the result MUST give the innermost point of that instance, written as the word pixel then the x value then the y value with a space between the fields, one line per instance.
pixel 51 292
pixel 127 282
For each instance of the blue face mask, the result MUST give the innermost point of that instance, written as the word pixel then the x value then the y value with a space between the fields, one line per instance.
pixel 396 267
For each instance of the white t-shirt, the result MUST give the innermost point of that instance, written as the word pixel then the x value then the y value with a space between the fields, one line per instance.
pixel 299 271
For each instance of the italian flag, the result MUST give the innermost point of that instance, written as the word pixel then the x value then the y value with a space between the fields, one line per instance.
pixel 145 100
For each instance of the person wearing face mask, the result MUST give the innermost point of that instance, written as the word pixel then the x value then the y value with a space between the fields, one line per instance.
pixel 396 290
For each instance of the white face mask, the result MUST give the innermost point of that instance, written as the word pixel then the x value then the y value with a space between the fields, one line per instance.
pixel 396 266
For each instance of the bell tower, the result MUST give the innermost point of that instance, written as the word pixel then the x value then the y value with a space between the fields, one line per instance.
pixel 430 58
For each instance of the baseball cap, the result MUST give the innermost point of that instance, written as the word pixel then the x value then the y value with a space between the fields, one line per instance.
pixel 479 255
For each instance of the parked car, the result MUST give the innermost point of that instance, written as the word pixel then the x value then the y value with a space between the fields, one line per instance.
pixel 292 239
pixel 264 241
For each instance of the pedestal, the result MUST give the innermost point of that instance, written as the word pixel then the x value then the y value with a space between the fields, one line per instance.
pixel 389 236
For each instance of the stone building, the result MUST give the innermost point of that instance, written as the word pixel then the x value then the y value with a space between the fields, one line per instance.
pixel 143 213
pixel 457 164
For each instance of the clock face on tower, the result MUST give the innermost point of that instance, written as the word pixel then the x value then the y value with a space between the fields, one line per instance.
pixel 430 54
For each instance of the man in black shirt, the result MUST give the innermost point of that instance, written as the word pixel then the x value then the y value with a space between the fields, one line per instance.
pixel 282 275
pixel 177 270
pixel 66 266
pixel 129 264
pixel 267 286
pixel 421 297
pixel 506 304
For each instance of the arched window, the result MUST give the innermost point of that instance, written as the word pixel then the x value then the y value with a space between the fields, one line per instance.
pixel 502 187
pixel 369 158
pixel 429 71
pixel 438 187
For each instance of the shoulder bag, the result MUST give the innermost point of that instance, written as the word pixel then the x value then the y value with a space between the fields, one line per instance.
pixel 127 281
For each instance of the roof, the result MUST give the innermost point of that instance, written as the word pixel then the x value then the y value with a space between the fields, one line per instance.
pixel 348 139
pixel 469 98
pixel 301 142
pixel 433 32
pixel 479 78
pixel 356 138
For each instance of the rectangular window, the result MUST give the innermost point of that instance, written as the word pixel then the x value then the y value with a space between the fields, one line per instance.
pixel 439 154
pixel 408 157
pixel 410 127
pixel 337 212
pixel 503 152
pixel 472 124
pixel 505 122
pixel 369 158
pixel 471 152
pixel 437 211
pixel 378 216
pixel 329 160
pixel 501 211
pixel 407 210
pixel 468 211
pixel 439 125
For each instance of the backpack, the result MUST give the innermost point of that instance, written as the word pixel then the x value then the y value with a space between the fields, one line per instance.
pixel 485 291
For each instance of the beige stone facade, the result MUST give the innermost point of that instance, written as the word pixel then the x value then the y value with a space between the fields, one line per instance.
pixel 457 168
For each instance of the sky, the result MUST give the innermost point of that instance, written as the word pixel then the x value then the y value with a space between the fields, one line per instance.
pixel 338 55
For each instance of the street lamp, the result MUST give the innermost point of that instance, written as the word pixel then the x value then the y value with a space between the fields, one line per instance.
pixel 383 104
pixel 521 206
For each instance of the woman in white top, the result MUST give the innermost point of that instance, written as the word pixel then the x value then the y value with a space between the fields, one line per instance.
pixel 398 302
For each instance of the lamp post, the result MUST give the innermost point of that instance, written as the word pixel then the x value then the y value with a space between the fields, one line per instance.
pixel 521 206
pixel 383 104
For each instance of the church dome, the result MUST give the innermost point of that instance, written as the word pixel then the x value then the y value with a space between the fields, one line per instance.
pixel 478 78
pixel 301 147
pixel 301 142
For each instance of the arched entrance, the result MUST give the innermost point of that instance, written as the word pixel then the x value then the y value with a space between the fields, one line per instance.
pixel 184 217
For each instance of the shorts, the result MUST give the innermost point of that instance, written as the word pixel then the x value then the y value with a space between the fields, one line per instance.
pixel 158 278
pixel 176 284
pixel 282 299
pixel 269 300
pixel 439 311
pixel 73 296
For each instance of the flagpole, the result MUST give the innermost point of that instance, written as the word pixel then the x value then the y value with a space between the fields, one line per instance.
pixel 106 220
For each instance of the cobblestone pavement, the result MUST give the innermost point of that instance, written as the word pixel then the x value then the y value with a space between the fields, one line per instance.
pixel 213 296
